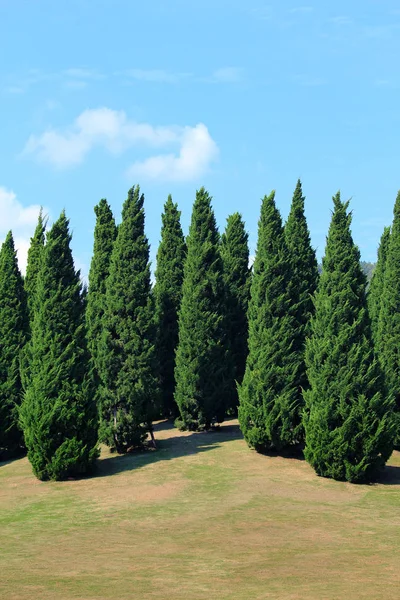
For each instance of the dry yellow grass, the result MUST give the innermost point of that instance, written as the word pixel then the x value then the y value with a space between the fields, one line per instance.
pixel 202 518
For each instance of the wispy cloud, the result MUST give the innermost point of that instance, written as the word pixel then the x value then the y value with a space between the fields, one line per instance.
pixel 21 84
pixel 157 75
pixel 386 83
pixel 112 130
pixel 384 31
pixel 341 20
pixel 301 9
pixel 82 73
pixel 14 89
pixel 21 220
pixel 78 78
pixel 72 78
pixel 226 75
pixel 220 75
pixel 262 13
pixel 75 84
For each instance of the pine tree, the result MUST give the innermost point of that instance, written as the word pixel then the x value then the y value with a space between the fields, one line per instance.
pixel 375 292
pixel 59 414
pixel 388 330
pixel 203 372
pixel 270 407
pixel 349 416
pixel 33 266
pixel 13 335
pixel 235 261
pixel 304 279
pixel 105 234
pixel 168 294
pixel 128 356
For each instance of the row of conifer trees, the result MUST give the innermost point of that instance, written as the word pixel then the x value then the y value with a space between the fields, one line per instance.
pixel 307 362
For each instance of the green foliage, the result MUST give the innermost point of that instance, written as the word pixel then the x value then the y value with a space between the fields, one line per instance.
pixel 349 416
pixel 128 357
pixel 375 291
pixel 105 234
pixel 304 279
pixel 270 406
pixel 58 414
pixel 388 331
pixel 236 271
pixel 168 294
pixel 203 370
pixel 13 336
pixel 304 263
pixel 33 265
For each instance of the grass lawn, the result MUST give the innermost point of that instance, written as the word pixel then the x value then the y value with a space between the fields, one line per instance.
pixel 202 518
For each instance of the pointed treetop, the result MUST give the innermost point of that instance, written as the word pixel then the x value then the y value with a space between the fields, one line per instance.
pixel 396 208
pixel 203 224
pixel 134 202
pixel 340 236
pixel 35 253
pixel 13 329
pixel 9 241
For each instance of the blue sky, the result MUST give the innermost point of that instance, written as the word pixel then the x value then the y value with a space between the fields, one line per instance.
pixel 241 97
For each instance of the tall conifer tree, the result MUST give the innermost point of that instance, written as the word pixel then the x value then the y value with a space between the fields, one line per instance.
pixel 349 416
pixel 13 335
pixel 203 371
pixel 304 278
pixel 59 414
pixel 375 292
pixel 388 331
pixel 128 356
pixel 168 294
pixel 33 265
pixel 269 409
pixel 304 263
pixel 235 262
pixel 105 233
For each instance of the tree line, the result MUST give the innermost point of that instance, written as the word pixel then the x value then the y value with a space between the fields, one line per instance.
pixel 308 361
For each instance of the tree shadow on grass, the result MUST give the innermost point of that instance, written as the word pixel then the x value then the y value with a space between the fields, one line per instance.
pixel 389 476
pixel 5 462
pixel 11 458
pixel 294 453
pixel 167 449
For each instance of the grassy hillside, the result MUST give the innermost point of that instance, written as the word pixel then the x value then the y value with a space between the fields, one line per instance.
pixel 202 518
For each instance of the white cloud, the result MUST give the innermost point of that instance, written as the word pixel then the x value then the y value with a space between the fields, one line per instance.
pixel 301 9
pixel 14 89
pixel 113 131
pixel 341 20
pixel 75 84
pixel 79 73
pixel 157 75
pixel 227 75
pixel 221 75
pixel 263 13
pixel 21 220
pixel 197 151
